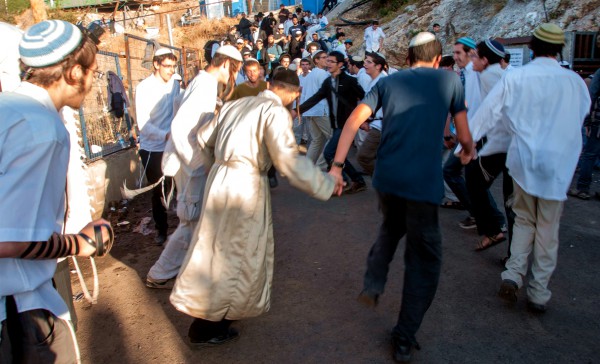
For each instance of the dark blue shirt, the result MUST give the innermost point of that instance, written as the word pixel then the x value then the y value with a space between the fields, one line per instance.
pixel 415 105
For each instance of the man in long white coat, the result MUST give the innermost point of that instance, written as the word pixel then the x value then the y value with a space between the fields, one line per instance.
pixel 227 274
pixel 180 160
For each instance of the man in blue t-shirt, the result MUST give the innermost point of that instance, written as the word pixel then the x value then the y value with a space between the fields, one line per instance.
pixel 408 178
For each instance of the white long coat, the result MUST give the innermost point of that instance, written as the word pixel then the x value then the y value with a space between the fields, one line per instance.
pixel 228 270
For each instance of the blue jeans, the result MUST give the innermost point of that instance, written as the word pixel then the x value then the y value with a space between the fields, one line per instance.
pixel 329 154
pixel 591 151
pixel 422 258
pixel 453 176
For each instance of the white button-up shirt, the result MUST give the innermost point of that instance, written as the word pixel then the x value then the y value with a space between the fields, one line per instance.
pixel 372 38
pixel 154 100
pixel 542 105
pixel 472 90
pixel 197 107
pixel 34 154
pixel 377 122
pixel 498 138
pixel 312 84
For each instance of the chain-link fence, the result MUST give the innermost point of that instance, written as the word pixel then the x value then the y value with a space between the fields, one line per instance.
pixel 104 130
pixel 139 53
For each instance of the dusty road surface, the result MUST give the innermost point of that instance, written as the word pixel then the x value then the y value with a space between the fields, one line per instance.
pixel 320 254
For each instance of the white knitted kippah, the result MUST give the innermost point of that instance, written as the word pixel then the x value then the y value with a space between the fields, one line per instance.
pixel 231 52
pixel 421 38
pixel 49 42
pixel 162 51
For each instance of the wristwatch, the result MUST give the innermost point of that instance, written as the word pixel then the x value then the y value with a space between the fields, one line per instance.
pixel 338 164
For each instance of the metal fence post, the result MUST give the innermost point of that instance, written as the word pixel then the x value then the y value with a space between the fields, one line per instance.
pixel 84 137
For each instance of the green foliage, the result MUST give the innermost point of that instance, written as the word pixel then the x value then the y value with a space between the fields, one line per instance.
pixel 10 8
pixel 387 7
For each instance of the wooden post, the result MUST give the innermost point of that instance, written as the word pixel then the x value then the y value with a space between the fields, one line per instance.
pixel 38 7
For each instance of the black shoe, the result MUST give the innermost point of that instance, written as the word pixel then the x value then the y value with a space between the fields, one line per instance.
pixel 273 182
pixel 535 307
pixel 368 299
pixel 508 290
pixel 160 239
pixel 403 349
pixel 355 187
pixel 468 223
pixel 230 336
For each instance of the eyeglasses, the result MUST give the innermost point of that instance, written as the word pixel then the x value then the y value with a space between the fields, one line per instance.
pixel 98 75
pixel 172 66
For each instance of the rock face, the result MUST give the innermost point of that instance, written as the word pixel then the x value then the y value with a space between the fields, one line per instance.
pixel 482 19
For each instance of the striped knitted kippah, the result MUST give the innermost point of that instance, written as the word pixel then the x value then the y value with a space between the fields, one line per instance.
pixel 495 47
pixel 49 42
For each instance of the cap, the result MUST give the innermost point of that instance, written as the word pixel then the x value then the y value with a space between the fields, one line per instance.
pixel 49 42
pixel 260 14
pixel 239 40
pixel 286 76
pixel 250 60
pixel 349 41
pixel 245 51
pixel 549 33
pixel 162 52
pixel 420 39
pixel 231 52
pixel 357 58
pixel 495 47
pixel 317 52
pixel 469 42
pixel 280 26
pixel 259 40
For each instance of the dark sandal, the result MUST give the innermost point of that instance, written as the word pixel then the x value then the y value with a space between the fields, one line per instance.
pixel 101 248
pixel 493 240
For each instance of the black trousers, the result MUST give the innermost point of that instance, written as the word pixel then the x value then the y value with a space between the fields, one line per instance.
pixel 35 337
pixel 152 161
pixel 480 175
pixel 422 258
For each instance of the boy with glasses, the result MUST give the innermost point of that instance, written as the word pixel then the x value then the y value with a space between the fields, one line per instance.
pixel 154 98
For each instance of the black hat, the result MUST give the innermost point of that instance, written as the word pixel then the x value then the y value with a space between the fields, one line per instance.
pixel 286 76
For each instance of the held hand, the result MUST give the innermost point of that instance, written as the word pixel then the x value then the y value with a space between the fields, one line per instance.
pixel 336 173
pixel 85 249
pixel 466 158
pixel 365 126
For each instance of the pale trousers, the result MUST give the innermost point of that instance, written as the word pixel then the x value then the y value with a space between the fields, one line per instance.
pixel 190 190
pixel 535 231
pixel 300 128
pixel 320 132
pixel 360 137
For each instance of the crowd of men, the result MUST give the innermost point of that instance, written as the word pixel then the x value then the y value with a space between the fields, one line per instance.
pixel 222 138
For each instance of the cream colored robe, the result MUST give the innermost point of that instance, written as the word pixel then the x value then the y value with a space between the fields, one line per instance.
pixel 228 270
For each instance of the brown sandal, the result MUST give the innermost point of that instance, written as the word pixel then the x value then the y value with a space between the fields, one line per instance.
pixel 489 241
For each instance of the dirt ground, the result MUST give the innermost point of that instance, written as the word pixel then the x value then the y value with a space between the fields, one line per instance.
pixel 320 258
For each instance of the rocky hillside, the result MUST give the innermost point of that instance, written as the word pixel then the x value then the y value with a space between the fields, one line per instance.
pixel 476 18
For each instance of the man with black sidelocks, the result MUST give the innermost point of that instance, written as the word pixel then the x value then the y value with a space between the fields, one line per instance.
pixel 342 92
pixel 416 102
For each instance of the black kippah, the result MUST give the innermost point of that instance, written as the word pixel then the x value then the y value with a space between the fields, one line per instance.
pixel 286 76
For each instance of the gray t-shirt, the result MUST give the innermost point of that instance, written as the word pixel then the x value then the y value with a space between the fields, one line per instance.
pixel 415 105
